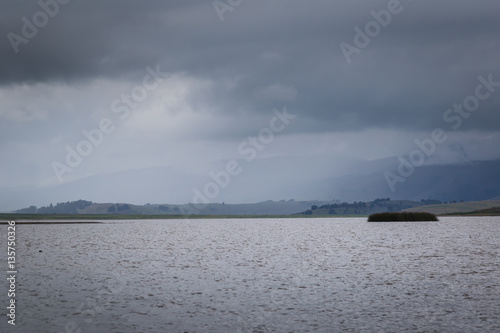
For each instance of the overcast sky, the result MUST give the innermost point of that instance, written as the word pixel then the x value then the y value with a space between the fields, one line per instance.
pixel 221 68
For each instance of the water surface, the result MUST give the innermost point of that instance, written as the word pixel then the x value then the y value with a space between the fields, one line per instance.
pixel 259 275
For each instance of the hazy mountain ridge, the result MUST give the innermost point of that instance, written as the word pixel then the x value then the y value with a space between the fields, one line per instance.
pixel 290 207
pixel 474 181
pixel 262 208
pixel 362 181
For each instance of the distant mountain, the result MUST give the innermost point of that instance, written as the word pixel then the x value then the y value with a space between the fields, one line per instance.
pixel 260 180
pixel 290 207
pixel 273 179
pixel 159 184
pixel 87 207
pixel 473 181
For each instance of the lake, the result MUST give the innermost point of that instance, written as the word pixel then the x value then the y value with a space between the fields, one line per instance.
pixel 257 275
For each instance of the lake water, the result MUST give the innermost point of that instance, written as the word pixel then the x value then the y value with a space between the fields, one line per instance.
pixel 257 275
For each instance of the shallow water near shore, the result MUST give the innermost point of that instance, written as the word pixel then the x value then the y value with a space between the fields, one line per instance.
pixel 258 275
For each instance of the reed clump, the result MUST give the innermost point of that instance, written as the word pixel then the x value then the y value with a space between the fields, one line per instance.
pixel 402 217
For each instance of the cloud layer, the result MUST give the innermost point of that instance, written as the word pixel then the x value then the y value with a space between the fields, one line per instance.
pixel 63 69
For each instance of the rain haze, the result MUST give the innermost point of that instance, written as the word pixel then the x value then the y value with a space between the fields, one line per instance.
pixel 150 101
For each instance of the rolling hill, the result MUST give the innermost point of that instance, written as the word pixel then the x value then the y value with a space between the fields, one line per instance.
pixel 460 207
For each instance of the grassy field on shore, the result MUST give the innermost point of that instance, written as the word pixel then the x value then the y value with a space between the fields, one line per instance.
pixel 456 208
pixel 108 217
pixel 494 211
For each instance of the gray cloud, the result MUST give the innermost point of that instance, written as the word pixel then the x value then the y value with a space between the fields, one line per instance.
pixel 226 77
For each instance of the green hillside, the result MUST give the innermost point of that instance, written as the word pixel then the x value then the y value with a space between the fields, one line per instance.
pixel 361 208
pixel 266 208
pixel 459 207
pixel 494 211
pixel 82 207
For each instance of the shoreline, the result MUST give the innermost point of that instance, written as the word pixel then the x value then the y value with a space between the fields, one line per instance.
pixel 100 219
pixel 54 217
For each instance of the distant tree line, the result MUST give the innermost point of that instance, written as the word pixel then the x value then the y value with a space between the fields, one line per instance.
pixel 70 207
pixel 359 207
pixel 119 208
pixel 438 202
pixel 431 202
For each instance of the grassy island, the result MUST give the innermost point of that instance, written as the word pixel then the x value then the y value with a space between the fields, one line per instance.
pixel 402 217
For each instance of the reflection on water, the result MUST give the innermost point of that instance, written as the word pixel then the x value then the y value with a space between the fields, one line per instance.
pixel 265 275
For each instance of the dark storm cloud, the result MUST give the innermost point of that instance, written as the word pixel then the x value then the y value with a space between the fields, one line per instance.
pixel 278 52
pixel 224 78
